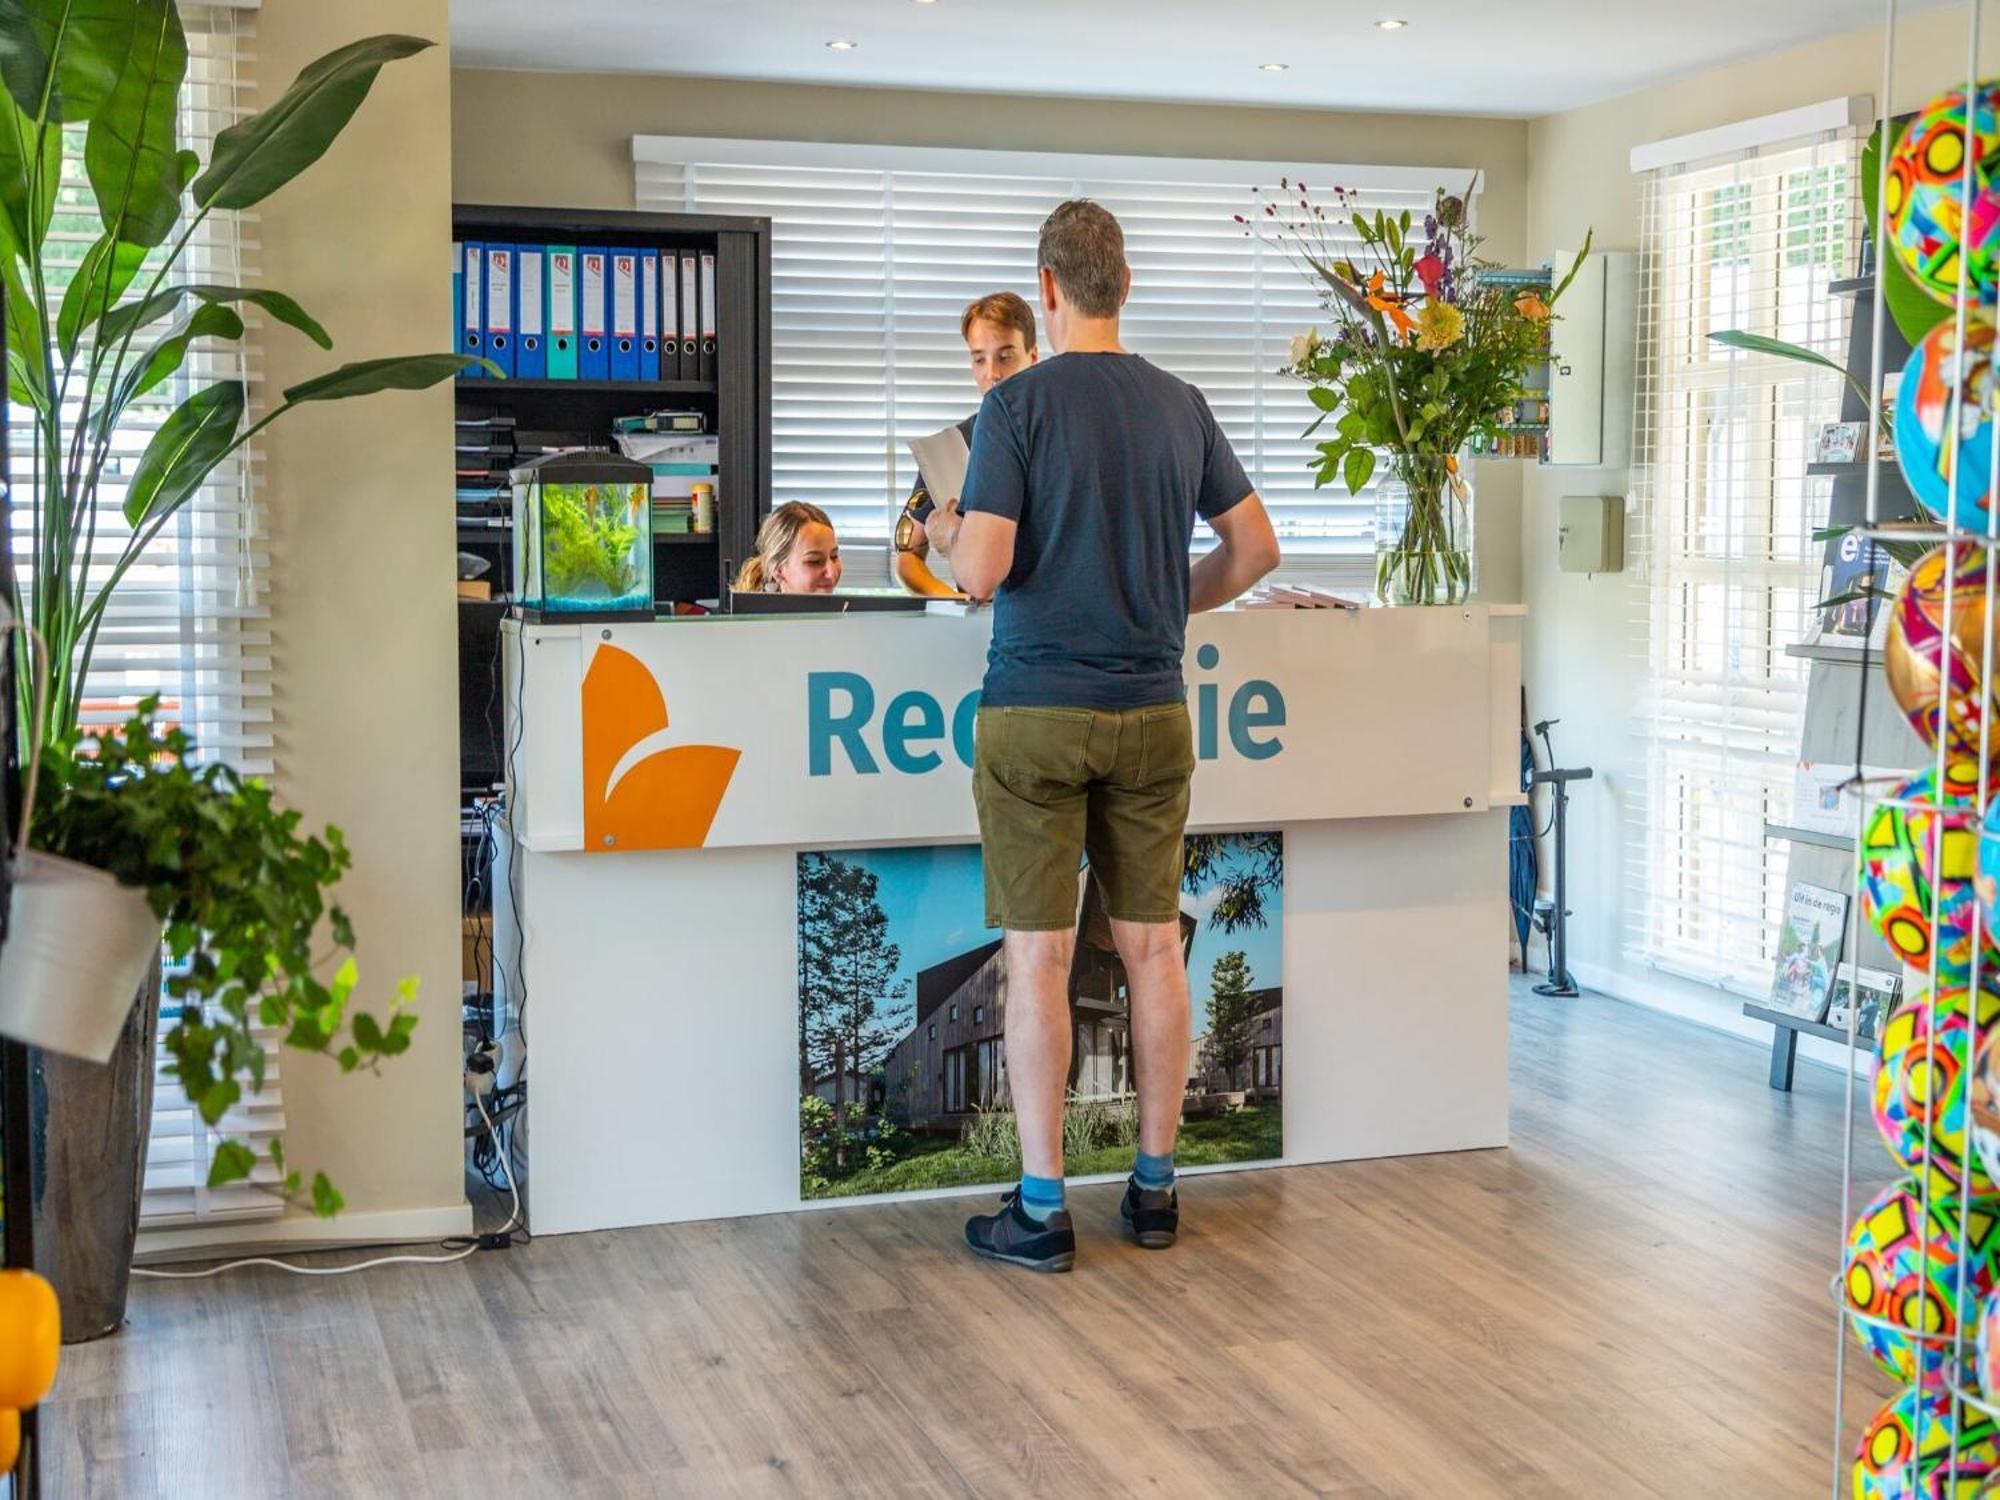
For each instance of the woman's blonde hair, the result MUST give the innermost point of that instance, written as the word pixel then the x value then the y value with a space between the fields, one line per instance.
pixel 775 540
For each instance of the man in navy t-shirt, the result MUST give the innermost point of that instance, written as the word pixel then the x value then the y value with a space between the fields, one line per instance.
pixel 1086 475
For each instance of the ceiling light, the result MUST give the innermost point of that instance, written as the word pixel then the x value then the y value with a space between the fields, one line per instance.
pixel 1391 25
pixel 843 46
pixel 926 2
pixel 1272 67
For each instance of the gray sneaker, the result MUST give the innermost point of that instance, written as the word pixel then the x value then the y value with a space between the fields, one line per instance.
pixel 1152 1215
pixel 1011 1235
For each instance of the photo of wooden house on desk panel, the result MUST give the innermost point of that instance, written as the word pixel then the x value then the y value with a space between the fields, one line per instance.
pixel 902 1020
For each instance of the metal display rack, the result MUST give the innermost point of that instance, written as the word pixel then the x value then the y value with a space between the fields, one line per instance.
pixel 1935 1434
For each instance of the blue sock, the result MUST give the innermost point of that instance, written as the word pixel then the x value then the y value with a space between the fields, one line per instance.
pixel 1154 1174
pixel 1040 1197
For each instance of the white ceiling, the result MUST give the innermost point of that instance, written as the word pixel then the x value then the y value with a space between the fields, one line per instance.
pixel 1456 56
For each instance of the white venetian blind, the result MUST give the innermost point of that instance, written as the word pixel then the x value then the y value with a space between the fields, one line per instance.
pixel 189 621
pixel 876 251
pixel 1727 512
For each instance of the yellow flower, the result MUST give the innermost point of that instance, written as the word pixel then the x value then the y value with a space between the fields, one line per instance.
pixel 1439 326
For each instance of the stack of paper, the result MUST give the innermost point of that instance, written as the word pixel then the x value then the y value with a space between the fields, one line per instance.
pixel 1299 596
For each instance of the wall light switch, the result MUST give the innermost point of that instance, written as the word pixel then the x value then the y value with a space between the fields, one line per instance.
pixel 1590 534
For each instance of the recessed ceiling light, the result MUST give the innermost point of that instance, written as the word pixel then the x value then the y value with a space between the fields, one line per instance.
pixel 1272 67
pixel 926 2
pixel 1390 25
pixel 843 46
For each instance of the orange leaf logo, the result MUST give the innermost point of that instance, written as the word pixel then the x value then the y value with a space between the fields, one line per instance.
pixel 640 792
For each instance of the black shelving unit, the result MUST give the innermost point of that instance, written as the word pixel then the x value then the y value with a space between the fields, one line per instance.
pixel 737 403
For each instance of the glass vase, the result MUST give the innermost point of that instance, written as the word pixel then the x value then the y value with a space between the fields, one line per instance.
pixel 1423 531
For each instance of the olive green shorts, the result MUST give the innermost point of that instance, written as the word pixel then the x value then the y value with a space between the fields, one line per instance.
pixel 1055 784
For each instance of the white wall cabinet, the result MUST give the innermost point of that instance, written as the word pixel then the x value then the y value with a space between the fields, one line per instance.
pixel 1591 364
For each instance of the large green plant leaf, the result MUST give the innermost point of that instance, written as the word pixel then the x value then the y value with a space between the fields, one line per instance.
pixel 1757 343
pixel 255 157
pixel 85 42
pixel 210 320
pixel 107 270
pixel 134 315
pixel 189 444
pixel 27 374
pixel 25 222
pixel 1914 311
pixel 402 372
pixel 129 151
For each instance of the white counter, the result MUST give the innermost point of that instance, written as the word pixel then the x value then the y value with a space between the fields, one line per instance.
pixel 665 777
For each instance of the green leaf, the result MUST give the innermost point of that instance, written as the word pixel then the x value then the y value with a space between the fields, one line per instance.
pixel 27 224
pixel 367 1032
pixel 134 315
pixel 345 978
pixel 255 157
pixel 130 151
pixel 27 372
pixel 278 1152
pixel 233 1162
pixel 218 1098
pixel 1757 343
pixel 400 372
pixel 326 1202
pixel 398 1039
pixel 349 1059
pixel 107 270
pixel 210 320
pixel 1574 266
pixel 188 445
pixel 1358 468
pixel 85 42
pixel 1321 397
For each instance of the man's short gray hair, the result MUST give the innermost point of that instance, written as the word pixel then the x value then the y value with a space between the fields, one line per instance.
pixel 1083 247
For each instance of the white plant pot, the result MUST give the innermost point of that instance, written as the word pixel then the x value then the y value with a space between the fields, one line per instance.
pixel 78 947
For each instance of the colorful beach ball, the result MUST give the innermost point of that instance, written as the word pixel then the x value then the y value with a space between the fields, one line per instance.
pixel 1905 1456
pixel 1936 678
pixel 1924 208
pixel 1939 382
pixel 1929 1053
pixel 1917 881
pixel 1983 1098
pixel 1902 1271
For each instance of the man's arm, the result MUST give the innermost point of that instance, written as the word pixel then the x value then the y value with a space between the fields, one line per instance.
pixel 1246 549
pixel 980 546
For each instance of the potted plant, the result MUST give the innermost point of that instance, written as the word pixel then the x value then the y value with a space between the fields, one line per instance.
pixel 1428 352
pixel 190 852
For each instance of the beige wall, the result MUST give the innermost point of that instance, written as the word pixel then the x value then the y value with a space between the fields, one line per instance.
pixel 566 139
pixel 1584 661
pixel 362 539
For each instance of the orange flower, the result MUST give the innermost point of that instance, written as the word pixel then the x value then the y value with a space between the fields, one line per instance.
pixel 1530 306
pixel 1391 305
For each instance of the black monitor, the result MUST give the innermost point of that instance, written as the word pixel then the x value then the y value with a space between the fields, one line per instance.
pixel 840 602
pixel 482 742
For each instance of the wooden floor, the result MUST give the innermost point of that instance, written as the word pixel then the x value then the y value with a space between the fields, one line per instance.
pixel 1630 1301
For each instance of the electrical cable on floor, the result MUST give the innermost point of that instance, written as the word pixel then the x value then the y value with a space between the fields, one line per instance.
pixel 496 1239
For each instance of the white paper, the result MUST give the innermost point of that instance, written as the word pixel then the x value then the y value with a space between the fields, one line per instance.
pixel 941 460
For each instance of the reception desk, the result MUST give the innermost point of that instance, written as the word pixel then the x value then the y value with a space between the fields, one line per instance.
pixel 664 779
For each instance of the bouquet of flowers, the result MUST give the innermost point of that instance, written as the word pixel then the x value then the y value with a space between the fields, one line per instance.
pixel 1428 350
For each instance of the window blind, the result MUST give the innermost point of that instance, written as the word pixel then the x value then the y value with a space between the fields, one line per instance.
pixel 189 622
pixel 876 252
pixel 1727 512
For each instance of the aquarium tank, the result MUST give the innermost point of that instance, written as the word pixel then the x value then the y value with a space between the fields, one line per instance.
pixel 583 542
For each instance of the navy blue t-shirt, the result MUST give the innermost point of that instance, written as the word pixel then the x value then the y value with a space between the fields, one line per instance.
pixel 1104 461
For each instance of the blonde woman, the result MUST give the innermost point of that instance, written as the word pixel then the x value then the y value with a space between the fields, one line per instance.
pixel 797 553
